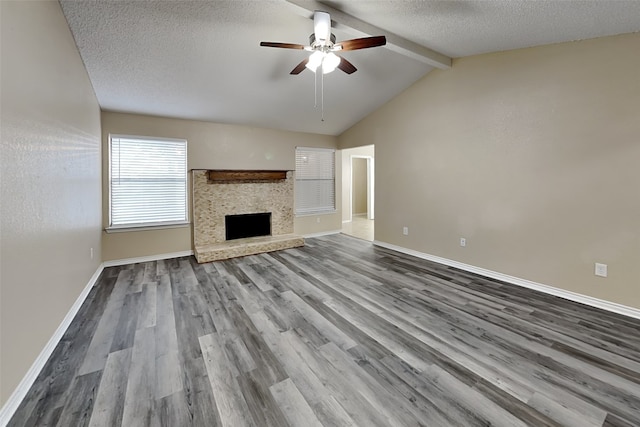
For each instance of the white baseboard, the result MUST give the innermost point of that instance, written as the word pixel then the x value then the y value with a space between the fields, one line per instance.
pixel 21 390
pixel 572 296
pixel 322 233
pixel 125 261
pixel 346 221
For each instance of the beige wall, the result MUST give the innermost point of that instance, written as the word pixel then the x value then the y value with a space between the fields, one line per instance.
pixel 345 155
pixel 532 155
pixel 209 146
pixel 51 182
pixel 358 186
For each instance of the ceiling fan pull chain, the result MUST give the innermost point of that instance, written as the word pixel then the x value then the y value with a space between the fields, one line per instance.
pixel 322 94
pixel 315 90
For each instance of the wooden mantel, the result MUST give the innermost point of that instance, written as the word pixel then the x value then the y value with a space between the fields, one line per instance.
pixel 230 176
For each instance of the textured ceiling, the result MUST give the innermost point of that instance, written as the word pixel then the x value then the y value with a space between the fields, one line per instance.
pixel 464 28
pixel 202 60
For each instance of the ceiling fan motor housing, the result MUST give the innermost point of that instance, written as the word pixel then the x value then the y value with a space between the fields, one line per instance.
pixel 322 27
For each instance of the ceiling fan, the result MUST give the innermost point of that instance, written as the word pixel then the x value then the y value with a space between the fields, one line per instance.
pixel 323 46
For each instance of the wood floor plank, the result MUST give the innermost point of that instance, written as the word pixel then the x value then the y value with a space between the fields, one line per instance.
pixel 563 415
pixel 336 333
pixel 174 411
pixel 327 328
pixel 356 405
pixel 491 413
pixel 265 360
pixel 442 405
pixel 80 401
pixel 147 315
pixel 109 404
pixel 100 346
pixel 295 408
pixel 393 409
pixel 232 406
pixel 150 272
pixel 297 368
pixel 140 402
pixel 127 323
pixel 614 421
pixel 188 287
pixel 330 413
pixel 264 409
pixel 255 278
pixel 161 268
pixel 137 271
pixel 198 396
pixel 195 381
pixel 168 368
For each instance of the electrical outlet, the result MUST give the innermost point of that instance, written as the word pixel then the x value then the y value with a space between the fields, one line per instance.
pixel 91 252
pixel 318 220
pixel 405 231
pixel 601 270
pixel 463 241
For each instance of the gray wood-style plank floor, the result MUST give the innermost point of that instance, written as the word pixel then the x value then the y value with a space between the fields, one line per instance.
pixel 337 333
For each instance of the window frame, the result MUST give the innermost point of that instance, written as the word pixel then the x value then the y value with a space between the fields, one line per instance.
pixel 146 225
pixel 329 210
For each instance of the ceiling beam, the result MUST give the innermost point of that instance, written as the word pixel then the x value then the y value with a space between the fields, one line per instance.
pixel 394 42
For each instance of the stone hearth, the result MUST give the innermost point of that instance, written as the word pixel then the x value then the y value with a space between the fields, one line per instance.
pixel 213 200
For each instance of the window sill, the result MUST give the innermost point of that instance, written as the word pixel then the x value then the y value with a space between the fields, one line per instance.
pixel 315 213
pixel 129 228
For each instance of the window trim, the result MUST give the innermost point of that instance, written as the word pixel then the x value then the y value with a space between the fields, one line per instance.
pixel 164 225
pixel 327 211
pixel 147 225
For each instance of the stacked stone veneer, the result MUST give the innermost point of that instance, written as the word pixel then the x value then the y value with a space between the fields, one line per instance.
pixel 213 201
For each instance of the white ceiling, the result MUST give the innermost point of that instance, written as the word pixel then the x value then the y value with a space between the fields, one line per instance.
pixel 202 60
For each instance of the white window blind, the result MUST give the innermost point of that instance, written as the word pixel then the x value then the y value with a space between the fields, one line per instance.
pixel 315 181
pixel 148 181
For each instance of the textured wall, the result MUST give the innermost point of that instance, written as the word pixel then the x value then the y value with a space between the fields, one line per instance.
pixel 51 181
pixel 531 155
pixel 209 146
pixel 358 186
pixel 212 202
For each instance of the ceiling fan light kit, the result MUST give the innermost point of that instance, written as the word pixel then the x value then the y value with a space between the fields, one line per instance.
pixel 328 61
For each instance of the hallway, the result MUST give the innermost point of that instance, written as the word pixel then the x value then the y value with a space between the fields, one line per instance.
pixel 359 227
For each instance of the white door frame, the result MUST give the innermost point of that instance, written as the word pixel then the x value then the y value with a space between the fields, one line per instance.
pixel 370 185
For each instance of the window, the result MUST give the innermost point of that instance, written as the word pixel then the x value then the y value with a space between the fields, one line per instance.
pixel 315 181
pixel 148 182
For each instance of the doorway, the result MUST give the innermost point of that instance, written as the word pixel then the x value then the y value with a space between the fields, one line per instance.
pixel 359 192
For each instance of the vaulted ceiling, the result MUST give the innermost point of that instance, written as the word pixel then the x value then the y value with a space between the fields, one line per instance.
pixel 201 60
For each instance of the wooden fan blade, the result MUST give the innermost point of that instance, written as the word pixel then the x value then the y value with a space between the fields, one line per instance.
pixel 282 45
pixel 346 66
pixel 300 67
pixel 362 43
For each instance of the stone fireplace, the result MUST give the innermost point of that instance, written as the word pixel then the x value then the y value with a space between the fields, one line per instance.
pixel 238 213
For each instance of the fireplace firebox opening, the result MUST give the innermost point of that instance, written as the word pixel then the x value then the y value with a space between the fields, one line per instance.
pixel 247 225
